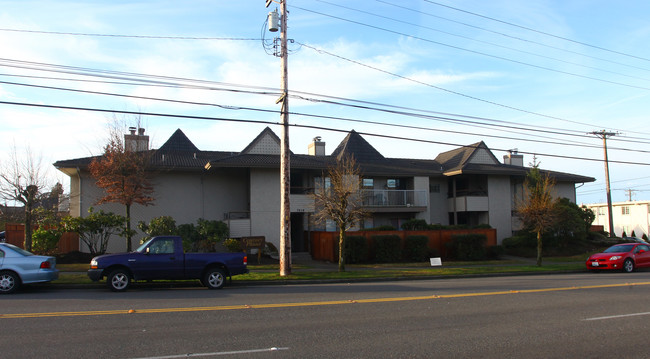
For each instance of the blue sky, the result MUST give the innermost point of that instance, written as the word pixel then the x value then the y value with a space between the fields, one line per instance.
pixel 533 75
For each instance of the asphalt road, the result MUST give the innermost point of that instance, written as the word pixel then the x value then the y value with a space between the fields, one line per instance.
pixel 586 315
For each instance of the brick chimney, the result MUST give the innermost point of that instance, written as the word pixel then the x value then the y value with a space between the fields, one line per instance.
pixel 317 148
pixel 513 159
pixel 136 142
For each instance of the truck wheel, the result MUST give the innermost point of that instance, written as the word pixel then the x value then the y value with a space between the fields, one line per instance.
pixel 214 278
pixel 118 280
pixel 9 282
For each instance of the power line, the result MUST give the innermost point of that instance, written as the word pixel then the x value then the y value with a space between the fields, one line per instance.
pixel 478 52
pixel 439 118
pixel 540 32
pixel 403 113
pixel 130 36
pixel 636 77
pixel 210 118
pixel 513 37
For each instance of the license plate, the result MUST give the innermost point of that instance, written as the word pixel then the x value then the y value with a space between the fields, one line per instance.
pixel 594 264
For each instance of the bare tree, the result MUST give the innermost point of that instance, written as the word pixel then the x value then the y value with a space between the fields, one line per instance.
pixel 338 198
pixel 122 173
pixel 537 208
pixel 22 179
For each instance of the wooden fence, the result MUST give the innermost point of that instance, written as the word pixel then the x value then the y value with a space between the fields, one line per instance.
pixel 324 244
pixel 15 234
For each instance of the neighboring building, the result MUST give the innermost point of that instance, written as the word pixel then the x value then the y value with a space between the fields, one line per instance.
pixel 464 186
pixel 628 217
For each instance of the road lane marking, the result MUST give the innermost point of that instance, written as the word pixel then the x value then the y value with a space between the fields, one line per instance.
pixel 192 355
pixel 619 316
pixel 306 304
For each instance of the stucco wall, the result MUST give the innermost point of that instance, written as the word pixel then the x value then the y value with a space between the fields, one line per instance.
pixel 438 209
pixel 185 196
pixel 500 206
pixel 265 204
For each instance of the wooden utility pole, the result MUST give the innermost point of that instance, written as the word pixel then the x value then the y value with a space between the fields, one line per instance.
pixel 285 177
pixel 603 134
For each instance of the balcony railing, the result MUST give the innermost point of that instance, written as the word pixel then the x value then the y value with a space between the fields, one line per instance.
pixel 394 198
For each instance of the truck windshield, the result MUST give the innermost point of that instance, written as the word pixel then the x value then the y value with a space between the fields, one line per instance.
pixel 143 246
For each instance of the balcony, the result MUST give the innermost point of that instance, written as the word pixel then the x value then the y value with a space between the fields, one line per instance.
pixel 395 200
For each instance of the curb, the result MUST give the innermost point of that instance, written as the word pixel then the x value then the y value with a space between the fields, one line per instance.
pixel 241 284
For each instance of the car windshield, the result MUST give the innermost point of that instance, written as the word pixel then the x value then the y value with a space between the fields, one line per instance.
pixel 619 248
pixel 18 250
pixel 143 246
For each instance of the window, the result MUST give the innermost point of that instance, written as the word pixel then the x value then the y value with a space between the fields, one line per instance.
pixel 625 210
pixel 434 188
pixel 392 183
pixel 368 183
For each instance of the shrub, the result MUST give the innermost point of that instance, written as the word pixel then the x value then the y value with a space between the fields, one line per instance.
pixel 470 247
pixel 232 245
pixel 416 248
pixel 96 229
pixel 44 241
pixel 159 226
pixel 387 248
pixel 385 227
pixel 415 225
pixel 356 249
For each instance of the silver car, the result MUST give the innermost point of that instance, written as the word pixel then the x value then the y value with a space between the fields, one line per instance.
pixel 18 266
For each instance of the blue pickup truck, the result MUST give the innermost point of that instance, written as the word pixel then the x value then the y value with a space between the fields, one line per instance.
pixel 163 257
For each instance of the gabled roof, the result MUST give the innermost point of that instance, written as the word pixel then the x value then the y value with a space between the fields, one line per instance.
pixel 477 153
pixel 178 142
pixel 179 153
pixel 356 146
pixel 266 143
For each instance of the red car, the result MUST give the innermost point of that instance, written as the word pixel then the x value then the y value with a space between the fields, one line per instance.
pixel 626 257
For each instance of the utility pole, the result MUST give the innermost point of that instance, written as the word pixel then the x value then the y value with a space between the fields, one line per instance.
pixel 285 174
pixel 603 134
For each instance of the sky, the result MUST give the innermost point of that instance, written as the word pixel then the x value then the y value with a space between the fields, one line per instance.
pixel 414 77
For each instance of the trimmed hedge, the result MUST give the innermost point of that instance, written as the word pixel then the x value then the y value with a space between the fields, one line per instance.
pixel 416 248
pixel 356 249
pixel 467 247
pixel 388 248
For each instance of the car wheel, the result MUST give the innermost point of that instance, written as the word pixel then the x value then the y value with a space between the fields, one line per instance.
pixel 214 278
pixel 9 282
pixel 628 266
pixel 118 280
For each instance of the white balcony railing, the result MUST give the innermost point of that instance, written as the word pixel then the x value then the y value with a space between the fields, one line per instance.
pixel 394 198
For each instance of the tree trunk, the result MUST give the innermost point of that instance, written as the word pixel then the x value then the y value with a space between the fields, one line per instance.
pixel 128 228
pixel 341 249
pixel 27 244
pixel 539 249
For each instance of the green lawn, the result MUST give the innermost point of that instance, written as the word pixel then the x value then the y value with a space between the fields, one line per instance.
pixel 75 273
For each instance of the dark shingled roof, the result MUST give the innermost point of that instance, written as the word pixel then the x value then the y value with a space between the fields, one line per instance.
pixel 179 153
pixel 356 146
pixel 178 142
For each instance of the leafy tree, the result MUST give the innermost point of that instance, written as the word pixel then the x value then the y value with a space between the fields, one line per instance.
pixel 22 180
pixel 46 237
pixel 340 200
pixel 536 208
pixel 94 230
pixel 159 226
pixel 588 216
pixel 122 173
pixel 570 224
